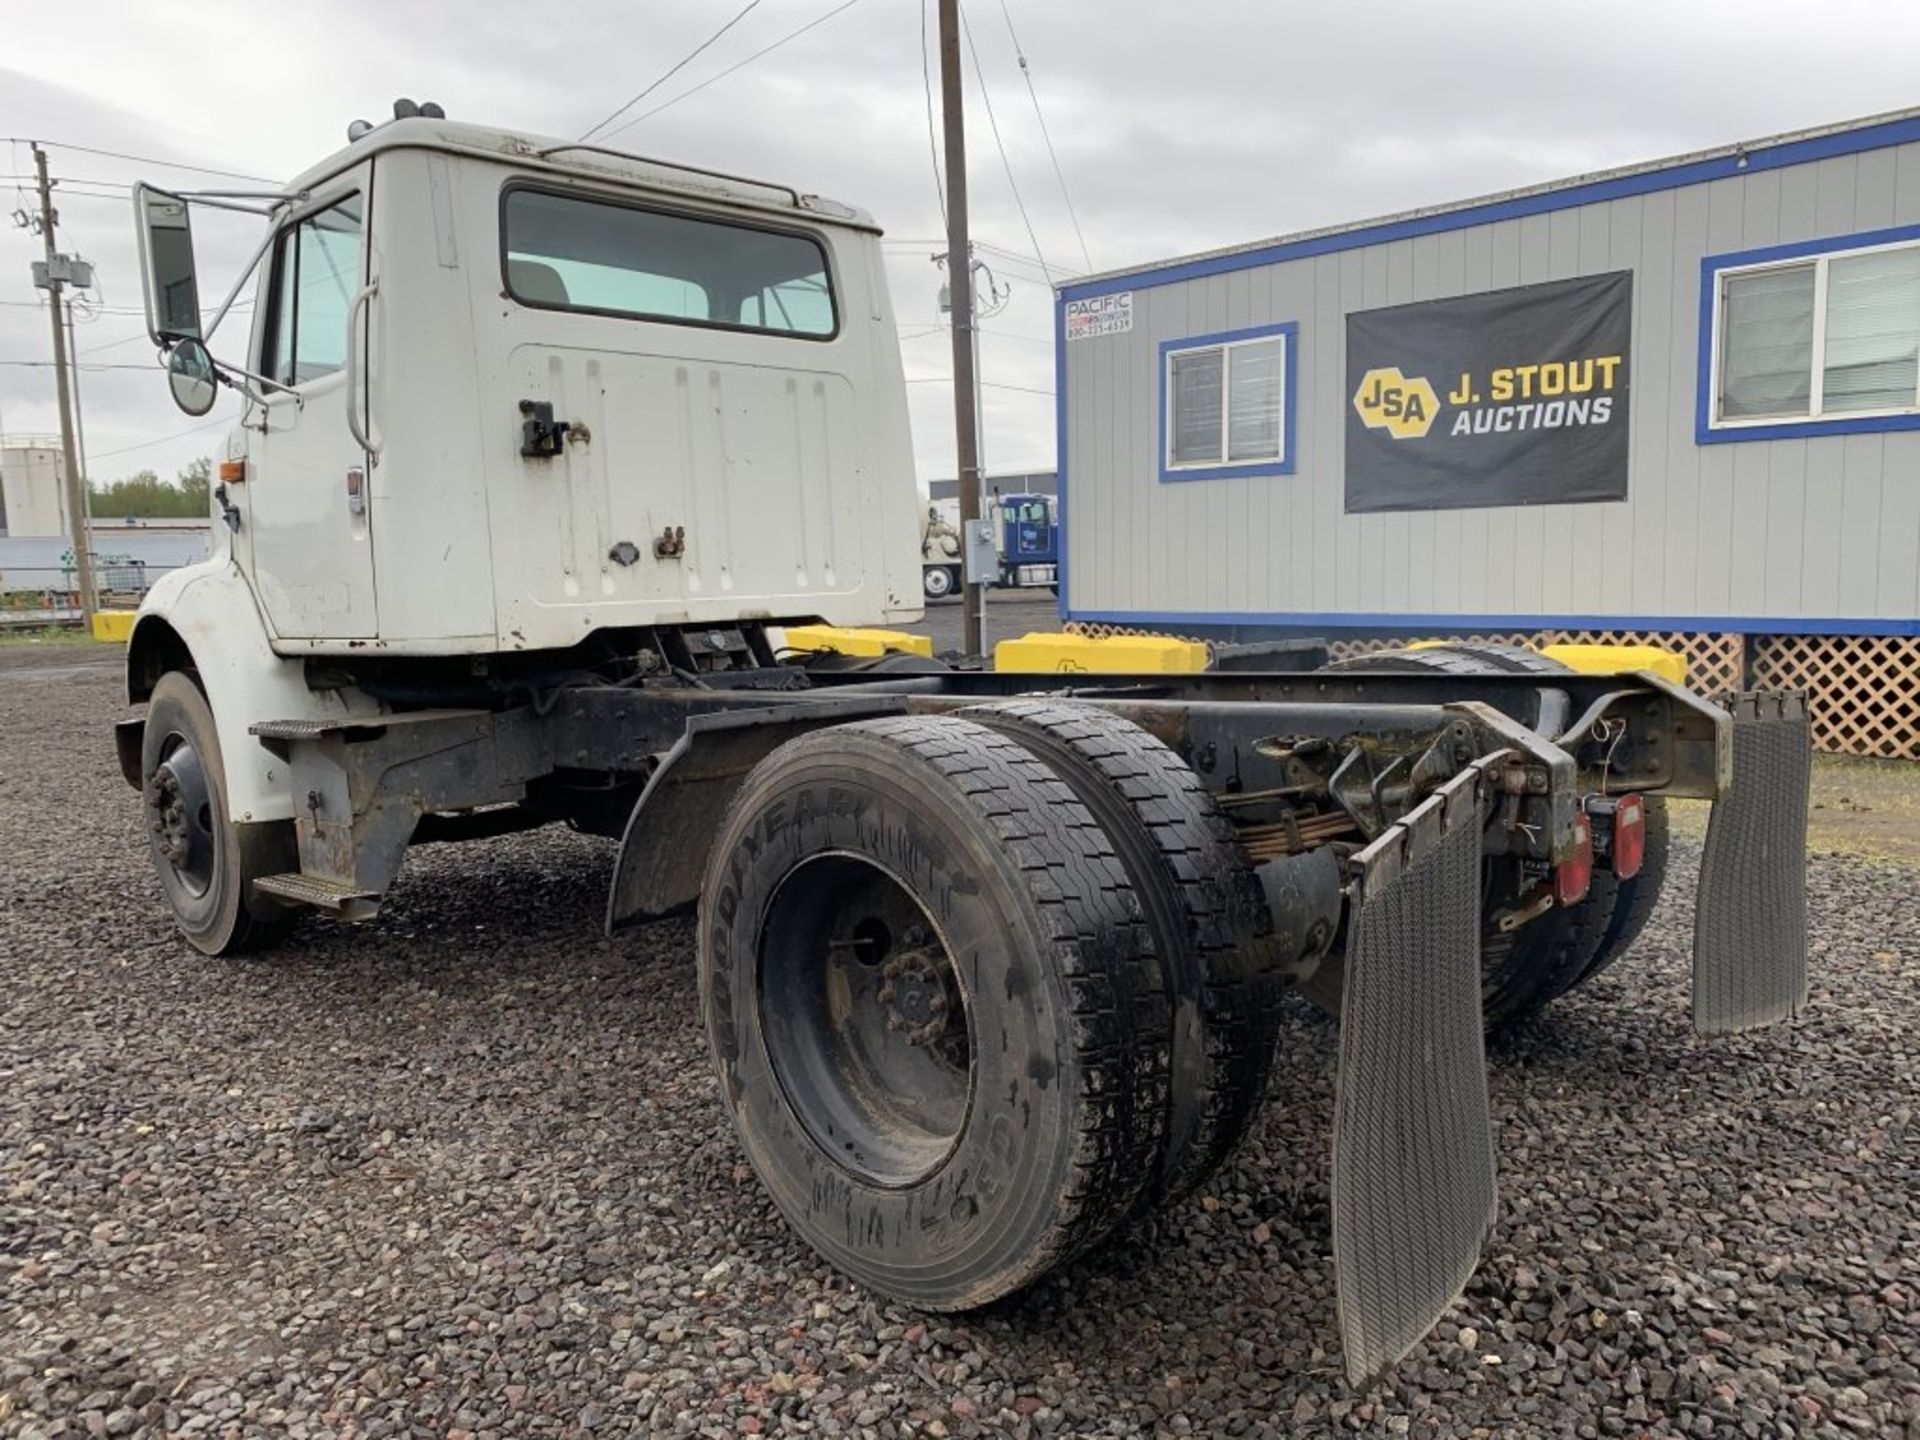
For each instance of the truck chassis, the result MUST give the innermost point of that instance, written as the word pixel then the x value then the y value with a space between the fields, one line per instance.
pixel 907 875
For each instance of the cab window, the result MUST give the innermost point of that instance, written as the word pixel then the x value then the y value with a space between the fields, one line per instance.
pixel 571 252
pixel 316 272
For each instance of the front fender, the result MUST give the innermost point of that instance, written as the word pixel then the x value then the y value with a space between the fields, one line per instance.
pixel 203 618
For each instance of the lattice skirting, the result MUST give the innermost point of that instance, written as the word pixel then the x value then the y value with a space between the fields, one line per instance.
pixel 1864 690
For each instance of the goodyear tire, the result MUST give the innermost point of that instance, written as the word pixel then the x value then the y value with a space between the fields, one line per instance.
pixel 933 1007
pixel 205 863
pixel 1209 918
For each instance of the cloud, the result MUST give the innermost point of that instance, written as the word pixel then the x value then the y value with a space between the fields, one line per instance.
pixel 1178 127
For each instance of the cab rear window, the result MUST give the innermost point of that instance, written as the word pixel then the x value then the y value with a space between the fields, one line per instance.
pixel 571 252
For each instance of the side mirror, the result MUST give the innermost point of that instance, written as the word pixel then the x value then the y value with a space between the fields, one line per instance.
pixel 168 282
pixel 192 377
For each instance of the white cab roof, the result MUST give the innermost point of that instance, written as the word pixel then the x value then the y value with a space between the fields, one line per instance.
pixel 584 161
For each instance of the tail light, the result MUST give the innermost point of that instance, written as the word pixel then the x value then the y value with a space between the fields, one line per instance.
pixel 1620 823
pixel 1572 876
pixel 1629 836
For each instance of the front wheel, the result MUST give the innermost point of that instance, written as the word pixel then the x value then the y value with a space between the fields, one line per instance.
pixel 205 863
pixel 935 1013
pixel 938 581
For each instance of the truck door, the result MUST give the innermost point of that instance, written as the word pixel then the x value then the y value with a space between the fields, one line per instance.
pixel 307 491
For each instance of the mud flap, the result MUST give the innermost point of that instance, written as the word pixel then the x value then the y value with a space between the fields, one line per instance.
pixel 1750 921
pixel 1413 1171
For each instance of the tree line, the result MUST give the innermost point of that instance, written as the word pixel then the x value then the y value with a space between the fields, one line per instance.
pixel 145 496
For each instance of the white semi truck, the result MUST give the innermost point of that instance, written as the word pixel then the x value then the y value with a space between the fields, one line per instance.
pixel 543 446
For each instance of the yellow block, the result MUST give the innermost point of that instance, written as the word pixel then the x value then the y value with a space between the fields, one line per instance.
pixel 1038 654
pixel 1619 659
pixel 847 640
pixel 1602 659
pixel 113 626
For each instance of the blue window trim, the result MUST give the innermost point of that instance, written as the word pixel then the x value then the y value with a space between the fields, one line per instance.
pixel 1705 432
pixel 1360 620
pixel 1289 331
pixel 1566 197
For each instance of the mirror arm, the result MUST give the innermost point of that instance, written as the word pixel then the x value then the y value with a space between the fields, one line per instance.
pixel 231 200
pixel 224 373
pixel 260 250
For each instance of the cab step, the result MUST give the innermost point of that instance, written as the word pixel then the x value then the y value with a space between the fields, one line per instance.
pixel 343 902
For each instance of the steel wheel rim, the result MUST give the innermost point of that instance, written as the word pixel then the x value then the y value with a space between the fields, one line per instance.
pixel 866 1020
pixel 179 804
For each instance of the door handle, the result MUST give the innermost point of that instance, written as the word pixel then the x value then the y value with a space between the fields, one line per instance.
pixel 356 422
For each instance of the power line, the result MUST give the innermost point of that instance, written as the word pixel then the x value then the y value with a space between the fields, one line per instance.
pixel 1005 164
pixel 64 180
pixel 988 384
pixel 738 65
pixel 48 365
pixel 146 160
pixel 1033 94
pixel 933 144
pixel 162 440
pixel 675 68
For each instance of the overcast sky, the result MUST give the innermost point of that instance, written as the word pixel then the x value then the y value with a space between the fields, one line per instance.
pixel 1179 127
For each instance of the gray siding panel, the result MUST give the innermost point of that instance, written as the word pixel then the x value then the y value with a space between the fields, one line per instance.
pixel 1825 527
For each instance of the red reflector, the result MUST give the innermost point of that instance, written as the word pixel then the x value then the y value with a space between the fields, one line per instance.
pixel 1629 836
pixel 1572 876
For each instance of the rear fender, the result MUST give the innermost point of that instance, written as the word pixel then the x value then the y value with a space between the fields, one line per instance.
pixel 203 619
pixel 663 854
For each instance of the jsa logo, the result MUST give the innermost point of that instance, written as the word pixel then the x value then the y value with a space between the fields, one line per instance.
pixel 1387 400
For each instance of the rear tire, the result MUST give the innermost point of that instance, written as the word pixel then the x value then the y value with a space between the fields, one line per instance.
pixel 1521 971
pixel 1634 898
pixel 206 864
pixel 941 877
pixel 1210 922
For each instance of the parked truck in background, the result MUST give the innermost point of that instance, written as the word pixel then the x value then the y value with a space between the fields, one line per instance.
pixel 1026 532
pixel 1026 542
pixel 542 449
pixel 942 556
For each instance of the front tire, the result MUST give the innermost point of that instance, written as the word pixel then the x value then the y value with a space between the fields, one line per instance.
pixel 205 863
pixel 939 581
pixel 933 1006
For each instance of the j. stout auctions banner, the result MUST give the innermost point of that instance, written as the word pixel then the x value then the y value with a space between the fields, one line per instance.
pixel 1516 397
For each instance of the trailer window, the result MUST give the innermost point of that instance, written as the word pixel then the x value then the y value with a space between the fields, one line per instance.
pixel 1226 404
pixel 568 252
pixel 1817 336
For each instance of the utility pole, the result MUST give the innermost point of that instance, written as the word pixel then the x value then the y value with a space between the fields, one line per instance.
pixel 75 487
pixel 966 415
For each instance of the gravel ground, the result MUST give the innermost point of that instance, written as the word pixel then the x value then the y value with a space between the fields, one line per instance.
pixel 463 1173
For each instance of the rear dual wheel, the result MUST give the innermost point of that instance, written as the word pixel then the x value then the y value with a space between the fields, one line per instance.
pixel 979 989
pixel 934 1007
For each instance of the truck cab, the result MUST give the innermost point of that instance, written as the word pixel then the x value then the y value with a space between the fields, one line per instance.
pixel 1027 532
pixel 507 392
